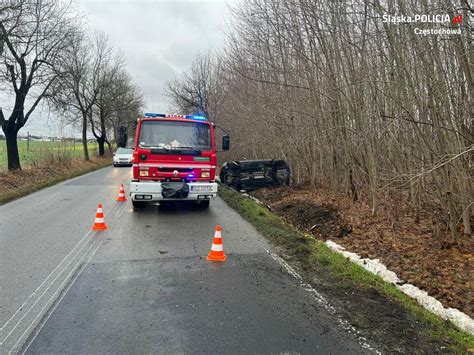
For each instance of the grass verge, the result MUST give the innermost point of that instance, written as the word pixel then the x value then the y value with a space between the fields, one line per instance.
pixel 36 152
pixel 14 185
pixel 312 253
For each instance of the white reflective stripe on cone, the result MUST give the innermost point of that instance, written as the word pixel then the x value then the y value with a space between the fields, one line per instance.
pixel 217 247
pixel 99 210
pixel 99 220
pixel 217 235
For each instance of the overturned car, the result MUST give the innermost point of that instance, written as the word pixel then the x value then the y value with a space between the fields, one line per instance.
pixel 254 174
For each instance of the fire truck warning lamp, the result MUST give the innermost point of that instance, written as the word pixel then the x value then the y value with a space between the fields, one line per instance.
pixel 191 117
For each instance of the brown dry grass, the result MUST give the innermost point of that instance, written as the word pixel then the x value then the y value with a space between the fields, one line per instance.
pixel 20 183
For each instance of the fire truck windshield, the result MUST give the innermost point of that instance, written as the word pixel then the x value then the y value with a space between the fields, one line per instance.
pixel 175 135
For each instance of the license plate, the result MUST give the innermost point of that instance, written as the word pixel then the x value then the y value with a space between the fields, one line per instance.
pixel 201 188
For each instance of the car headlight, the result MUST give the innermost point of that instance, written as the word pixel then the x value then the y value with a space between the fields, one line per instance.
pixel 205 174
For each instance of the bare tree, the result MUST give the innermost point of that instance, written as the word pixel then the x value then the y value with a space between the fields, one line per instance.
pixel 109 74
pixel 81 78
pixel 128 105
pixel 33 35
pixel 117 98
pixel 200 90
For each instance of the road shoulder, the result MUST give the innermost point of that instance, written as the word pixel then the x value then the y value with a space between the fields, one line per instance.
pixel 14 185
pixel 377 309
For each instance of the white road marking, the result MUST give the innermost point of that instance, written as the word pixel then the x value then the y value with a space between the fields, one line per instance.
pixel 121 209
pixel 69 258
pixel 46 290
pixel 45 280
pixel 54 295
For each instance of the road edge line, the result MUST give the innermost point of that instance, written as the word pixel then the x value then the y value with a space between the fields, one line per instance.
pixel 74 275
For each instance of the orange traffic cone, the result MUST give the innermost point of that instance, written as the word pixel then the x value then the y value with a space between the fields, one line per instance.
pixel 99 223
pixel 217 249
pixel 121 197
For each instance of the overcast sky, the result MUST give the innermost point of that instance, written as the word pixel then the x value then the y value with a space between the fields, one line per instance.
pixel 159 40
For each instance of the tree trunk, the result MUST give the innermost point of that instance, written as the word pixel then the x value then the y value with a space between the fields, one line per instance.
pixel 109 146
pixel 84 137
pixel 116 135
pixel 452 219
pixel 353 190
pixel 103 137
pixel 11 135
pixel 466 217
pixel 101 143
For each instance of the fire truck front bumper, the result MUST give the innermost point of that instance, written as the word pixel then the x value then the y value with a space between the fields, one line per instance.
pixel 152 191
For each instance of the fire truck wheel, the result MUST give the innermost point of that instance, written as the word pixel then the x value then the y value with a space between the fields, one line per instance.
pixel 205 203
pixel 138 204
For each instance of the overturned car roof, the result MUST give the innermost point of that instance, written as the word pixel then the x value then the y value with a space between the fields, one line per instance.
pixel 245 163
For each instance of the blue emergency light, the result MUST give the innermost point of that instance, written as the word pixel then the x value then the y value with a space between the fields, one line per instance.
pixel 191 117
pixel 149 114
pixel 197 117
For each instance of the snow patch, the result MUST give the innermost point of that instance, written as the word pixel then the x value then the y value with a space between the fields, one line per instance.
pixel 374 266
pixel 252 198
pixel 459 318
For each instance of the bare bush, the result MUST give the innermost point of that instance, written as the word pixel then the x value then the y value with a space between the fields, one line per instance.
pixel 33 36
pixel 355 104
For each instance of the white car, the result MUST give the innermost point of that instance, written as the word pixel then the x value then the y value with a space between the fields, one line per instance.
pixel 123 156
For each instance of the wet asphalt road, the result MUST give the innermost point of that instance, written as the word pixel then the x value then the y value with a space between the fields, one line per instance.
pixel 144 286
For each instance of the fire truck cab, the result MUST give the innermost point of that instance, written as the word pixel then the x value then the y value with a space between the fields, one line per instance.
pixel 174 159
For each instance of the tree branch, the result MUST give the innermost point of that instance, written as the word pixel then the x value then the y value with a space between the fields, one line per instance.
pixel 37 101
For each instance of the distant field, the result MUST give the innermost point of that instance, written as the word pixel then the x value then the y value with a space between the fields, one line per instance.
pixel 39 151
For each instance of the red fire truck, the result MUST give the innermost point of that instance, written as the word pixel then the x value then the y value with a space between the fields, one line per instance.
pixel 174 159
